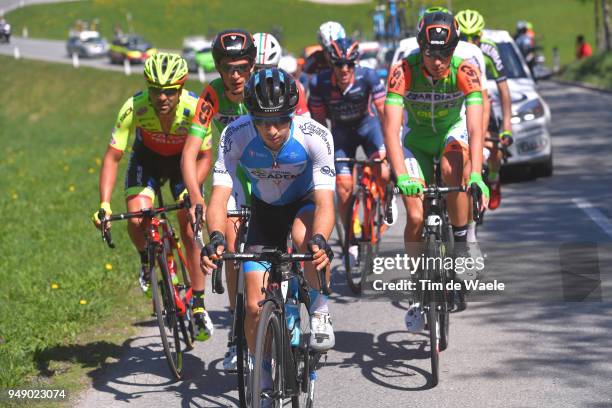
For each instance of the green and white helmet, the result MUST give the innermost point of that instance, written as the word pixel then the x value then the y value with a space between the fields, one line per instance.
pixel 470 22
pixel 165 70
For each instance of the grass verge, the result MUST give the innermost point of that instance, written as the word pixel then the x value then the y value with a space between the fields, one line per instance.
pixel 596 70
pixel 165 23
pixel 63 301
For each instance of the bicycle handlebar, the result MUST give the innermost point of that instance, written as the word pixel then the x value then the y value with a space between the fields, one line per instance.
pixel 436 189
pixel 144 213
pixel 273 257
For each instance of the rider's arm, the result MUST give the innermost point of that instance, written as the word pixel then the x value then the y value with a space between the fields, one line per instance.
pixel 196 159
pixel 124 127
pixel 216 212
pixel 506 103
pixel 108 174
pixel 321 150
pixel 394 114
pixel 468 81
pixel 378 92
pixel 194 171
pixel 316 105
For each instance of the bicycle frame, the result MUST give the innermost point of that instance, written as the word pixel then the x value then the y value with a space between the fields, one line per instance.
pixel 366 181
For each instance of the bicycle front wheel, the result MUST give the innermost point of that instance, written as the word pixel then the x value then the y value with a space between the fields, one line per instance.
pixel 165 312
pixel 357 241
pixel 267 381
pixel 432 251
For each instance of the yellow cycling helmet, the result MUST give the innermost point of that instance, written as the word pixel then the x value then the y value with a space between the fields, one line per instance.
pixel 165 70
pixel 470 22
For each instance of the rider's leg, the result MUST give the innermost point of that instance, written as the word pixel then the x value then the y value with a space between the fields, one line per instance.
pixel 322 337
pixel 345 147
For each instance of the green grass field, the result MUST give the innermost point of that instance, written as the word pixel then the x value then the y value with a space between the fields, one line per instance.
pixel 596 70
pixel 55 130
pixel 165 23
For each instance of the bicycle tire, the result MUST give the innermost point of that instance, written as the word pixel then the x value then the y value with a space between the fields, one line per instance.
pixel 185 322
pixel 356 273
pixel 242 352
pixel 165 312
pixel 433 315
pixel 306 381
pixel 269 331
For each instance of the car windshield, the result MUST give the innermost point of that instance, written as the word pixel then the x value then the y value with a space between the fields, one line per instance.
pixel 512 62
pixel 93 40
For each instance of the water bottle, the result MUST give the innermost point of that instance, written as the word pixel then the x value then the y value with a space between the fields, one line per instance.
pixel 292 314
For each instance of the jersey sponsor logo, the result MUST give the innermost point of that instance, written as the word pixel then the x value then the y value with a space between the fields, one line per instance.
pixel 205 114
pixel 218 170
pixel 226 141
pixel 254 153
pixel 226 145
pixel 310 129
pixel 182 131
pixel 125 114
pixel 395 79
pixel 472 75
pixel 328 171
pixel 437 97
pixel 142 111
pixel 225 118
pixel 276 175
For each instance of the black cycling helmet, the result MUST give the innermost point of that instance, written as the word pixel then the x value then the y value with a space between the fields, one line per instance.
pixel 438 32
pixel 271 90
pixel 343 49
pixel 234 44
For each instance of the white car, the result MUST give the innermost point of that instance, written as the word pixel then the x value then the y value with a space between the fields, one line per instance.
pixel 530 113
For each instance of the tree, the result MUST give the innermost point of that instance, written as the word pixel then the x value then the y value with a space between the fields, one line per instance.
pixel 605 16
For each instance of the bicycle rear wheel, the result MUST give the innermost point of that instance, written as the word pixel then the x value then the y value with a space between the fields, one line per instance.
pixel 243 370
pixel 165 311
pixel 357 233
pixel 185 322
pixel 268 359
pixel 305 366
pixel 432 251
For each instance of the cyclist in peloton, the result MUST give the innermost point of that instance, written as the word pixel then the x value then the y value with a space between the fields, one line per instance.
pixel 432 85
pixel 316 58
pixel 289 161
pixel 269 56
pixel 159 119
pixel 219 104
pixel 345 94
pixel 471 24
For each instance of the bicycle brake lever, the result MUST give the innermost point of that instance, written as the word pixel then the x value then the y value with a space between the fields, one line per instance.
pixel 106 234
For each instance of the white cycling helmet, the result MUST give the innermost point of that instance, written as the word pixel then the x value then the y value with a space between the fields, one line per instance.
pixel 288 63
pixel 268 50
pixel 330 31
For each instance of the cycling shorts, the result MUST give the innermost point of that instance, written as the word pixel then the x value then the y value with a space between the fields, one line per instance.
pixel 147 171
pixel 366 132
pixel 269 226
pixel 420 149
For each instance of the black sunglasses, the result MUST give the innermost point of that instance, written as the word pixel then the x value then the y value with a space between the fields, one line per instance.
pixel 241 69
pixel 438 53
pixel 341 63
pixel 274 120
pixel 155 91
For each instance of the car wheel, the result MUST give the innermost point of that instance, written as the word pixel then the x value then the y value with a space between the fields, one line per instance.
pixel 544 169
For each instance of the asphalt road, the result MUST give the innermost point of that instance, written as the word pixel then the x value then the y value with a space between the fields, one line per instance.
pixel 55 51
pixel 524 347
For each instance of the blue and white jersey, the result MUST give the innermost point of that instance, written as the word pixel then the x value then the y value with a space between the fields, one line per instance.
pixel 303 164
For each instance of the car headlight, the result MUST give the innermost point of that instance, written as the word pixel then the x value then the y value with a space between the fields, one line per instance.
pixel 529 111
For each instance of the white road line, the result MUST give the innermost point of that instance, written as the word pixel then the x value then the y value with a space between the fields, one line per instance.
pixel 597 216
